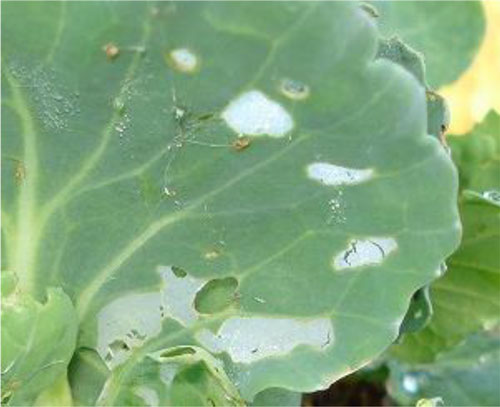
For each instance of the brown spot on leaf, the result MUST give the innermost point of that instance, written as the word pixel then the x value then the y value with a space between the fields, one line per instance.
pixel 212 254
pixel 241 143
pixel 442 135
pixel 111 51
pixel 20 172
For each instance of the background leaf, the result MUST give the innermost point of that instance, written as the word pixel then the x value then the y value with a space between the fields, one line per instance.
pixel 477 154
pixel 180 376
pixel 277 397
pixel 87 374
pixel 419 312
pixel 38 340
pixel 436 30
pixel 464 376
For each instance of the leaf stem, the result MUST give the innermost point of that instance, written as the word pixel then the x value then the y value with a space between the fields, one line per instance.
pixel 26 236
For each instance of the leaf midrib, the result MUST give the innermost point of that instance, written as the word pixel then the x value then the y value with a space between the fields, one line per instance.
pixel 26 237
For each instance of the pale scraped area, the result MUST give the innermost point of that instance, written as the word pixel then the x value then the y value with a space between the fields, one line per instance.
pixel 128 321
pixel 334 175
pixel 365 252
pixel 149 395
pixel 254 114
pixel 249 339
pixel 184 60
pixel 178 295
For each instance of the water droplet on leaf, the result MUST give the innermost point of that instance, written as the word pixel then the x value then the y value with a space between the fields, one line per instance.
pixel 119 105
pixel 410 383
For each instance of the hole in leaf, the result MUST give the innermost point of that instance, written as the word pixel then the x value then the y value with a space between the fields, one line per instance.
pixel 216 295
pixel 118 345
pixel 179 272
pixel 181 350
pixel 137 334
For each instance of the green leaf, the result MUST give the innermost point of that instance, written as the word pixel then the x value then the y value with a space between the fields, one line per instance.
pixel 477 155
pixel 87 374
pixel 277 397
pixel 397 51
pixel 180 376
pixel 436 28
pixel 438 114
pixel 433 402
pixel 59 394
pixel 156 154
pixel 468 375
pixel 467 298
pixel 37 342
pixel 419 313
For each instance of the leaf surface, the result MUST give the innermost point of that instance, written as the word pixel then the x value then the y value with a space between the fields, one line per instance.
pixel 467 375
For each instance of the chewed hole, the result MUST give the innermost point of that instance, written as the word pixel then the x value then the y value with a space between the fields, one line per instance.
pixel 118 344
pixel 179 272
pixel 179 351
pixel 216 295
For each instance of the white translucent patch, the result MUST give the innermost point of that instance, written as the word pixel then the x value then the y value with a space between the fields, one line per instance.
pixel 249 339
pixel 184 60
pixel 178 295
pixel 129 321
pixel 125 323
pixel 365 252
pixel 334 175
pixel 148 394
pixel 254 114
